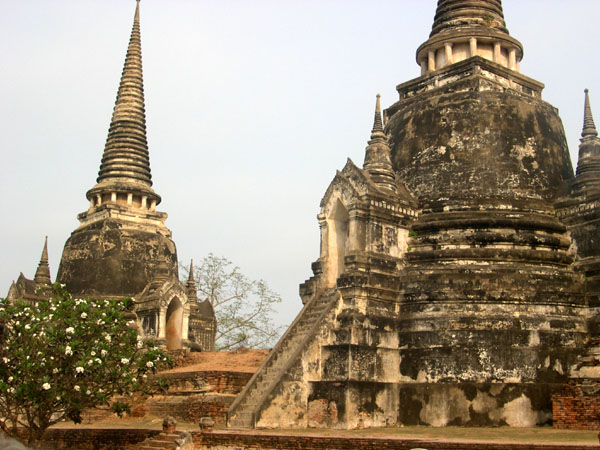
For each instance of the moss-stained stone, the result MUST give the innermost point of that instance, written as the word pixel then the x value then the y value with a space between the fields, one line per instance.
pixel 464 251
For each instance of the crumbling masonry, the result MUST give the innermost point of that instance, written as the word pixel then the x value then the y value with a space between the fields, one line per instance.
pixel 458 274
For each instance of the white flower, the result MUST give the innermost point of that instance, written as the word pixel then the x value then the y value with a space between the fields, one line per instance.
pixel 58 397
pixel 10 379
pixel 62 285
pixel 70 330
pixel 6 360
pixel 12 390
pixel 108 338
pixel 149 364
pixel 88 392
pixel 140 344
pixel 101 390
pixel 68 350
pixel 90 362
pixel 27 327
pixel 103 352
pixel 124 361
pixel 55 370
pixel 77 388
pixel 134 380
pixel 93 353
pixel 79 369
pixel 46 386
pixel 144 376
pixel 98 360
pixel 83 315
pixel 99 322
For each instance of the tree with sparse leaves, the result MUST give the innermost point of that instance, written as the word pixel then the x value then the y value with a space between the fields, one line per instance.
pixel 244 308
pixel 61 356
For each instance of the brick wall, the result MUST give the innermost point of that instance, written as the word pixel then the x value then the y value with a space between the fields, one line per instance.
pixel 227 382
pixel 192 408
pixel 576 412
pixel 242 441
pixel 214 381
pixel 93 439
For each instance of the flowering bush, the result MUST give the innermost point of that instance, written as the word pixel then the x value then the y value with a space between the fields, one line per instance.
pixel 63 355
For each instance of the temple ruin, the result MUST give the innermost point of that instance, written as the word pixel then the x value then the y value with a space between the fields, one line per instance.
pixel 122 247
pixel 457 280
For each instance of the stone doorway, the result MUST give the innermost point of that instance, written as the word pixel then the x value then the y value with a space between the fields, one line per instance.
pixel 338 237
pixel 174 324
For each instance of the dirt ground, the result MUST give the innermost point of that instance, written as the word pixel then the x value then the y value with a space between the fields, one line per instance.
pixel 243 360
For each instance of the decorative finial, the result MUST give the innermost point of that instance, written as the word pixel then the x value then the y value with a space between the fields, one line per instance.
pixel 377 131
pixel 377 155
pixel 191 274
pixel 192 291
pixel 589 127
pixel 42 274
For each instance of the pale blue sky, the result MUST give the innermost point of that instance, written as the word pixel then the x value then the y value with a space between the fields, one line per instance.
pixel 251 106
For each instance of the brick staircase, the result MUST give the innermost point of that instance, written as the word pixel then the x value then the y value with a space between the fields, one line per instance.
pixel 243 411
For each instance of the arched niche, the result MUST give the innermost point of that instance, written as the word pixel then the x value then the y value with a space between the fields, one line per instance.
pixel 338 227
pixel 174 324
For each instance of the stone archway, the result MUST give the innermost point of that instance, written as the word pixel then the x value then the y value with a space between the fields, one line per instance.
pixel 338 229
pixel 174 324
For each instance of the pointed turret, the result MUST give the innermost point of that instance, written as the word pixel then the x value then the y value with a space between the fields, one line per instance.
pixel 191 289
pixel 125 165
pixel 42 274
pixel 589 127
pixel 466 28
pixel 588 163
pixel 377 155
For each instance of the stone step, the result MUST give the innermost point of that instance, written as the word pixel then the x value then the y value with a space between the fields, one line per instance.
pixel 273 369
pixel 155 443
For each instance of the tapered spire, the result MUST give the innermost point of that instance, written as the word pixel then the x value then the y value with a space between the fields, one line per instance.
pixel 42 274
pixel 378 162
pixel 192 291
pixel 588 163
pixel 125 165
pixel 126 150
pixel 589 127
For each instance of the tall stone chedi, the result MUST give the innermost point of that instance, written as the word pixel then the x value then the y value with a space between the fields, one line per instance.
pixel 446 291
pixel 122 247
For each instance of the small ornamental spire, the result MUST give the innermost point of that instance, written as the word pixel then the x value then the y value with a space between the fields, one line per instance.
pixel 589 127
pixel 377 123
pixel 192 291
pixel 588 163
pixel 42 274
pixel 378 162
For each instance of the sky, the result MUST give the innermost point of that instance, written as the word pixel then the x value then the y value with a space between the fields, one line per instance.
pixel 251 108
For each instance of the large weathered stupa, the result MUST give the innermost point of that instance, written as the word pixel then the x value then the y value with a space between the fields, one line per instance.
pixel 122 247
pixel 458 267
